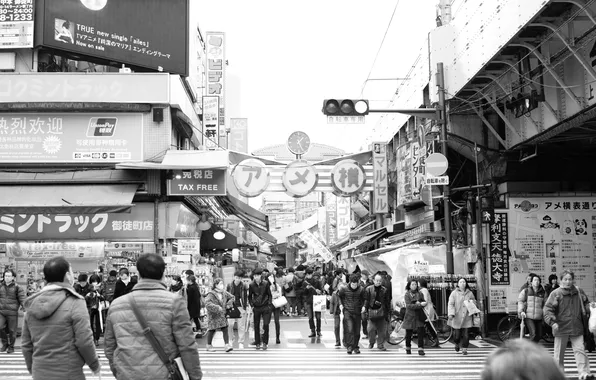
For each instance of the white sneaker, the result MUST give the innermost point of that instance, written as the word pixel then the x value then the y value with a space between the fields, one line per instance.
pixel 241 346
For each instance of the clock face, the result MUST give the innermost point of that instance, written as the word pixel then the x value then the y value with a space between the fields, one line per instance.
pixel 298 142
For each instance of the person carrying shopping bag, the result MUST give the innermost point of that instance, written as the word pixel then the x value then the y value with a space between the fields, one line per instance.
pixel 278 302
pixel 415 317
pixel 216 303
pixel 460 318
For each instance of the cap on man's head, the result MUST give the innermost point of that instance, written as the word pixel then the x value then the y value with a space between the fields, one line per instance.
pixel 365 273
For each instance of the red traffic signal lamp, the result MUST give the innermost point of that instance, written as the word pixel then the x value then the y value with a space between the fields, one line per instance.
pixel 345 107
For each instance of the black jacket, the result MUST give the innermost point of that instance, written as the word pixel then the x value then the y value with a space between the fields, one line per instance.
pixel 259 295
pixel 352 299
pixel 193 295
pixel 370 295
pixel 122 289
pixel 240 293
pixel 310 287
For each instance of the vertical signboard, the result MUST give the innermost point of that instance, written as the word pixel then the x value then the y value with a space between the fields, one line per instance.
pixel 404 183
pixel 211 121
pixel 499 255
pixel 380 193
pixel 216 70
pixel 343 217
pixel 322 222
pixel 16 24
pixel 238 137
pixel 331 218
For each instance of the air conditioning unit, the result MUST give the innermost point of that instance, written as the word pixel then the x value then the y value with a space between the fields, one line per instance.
pixel 8 61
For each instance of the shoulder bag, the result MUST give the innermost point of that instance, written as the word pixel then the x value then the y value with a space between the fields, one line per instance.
pixel 175 366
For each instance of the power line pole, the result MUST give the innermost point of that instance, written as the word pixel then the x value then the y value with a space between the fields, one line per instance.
pixel 446 190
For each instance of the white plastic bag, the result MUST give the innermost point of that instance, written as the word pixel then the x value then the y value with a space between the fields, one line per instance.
pixel 592 320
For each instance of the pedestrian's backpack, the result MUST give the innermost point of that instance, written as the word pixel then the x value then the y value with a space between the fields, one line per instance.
pixel 110 287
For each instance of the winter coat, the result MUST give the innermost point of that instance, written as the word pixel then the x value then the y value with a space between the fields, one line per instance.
pixel 259 295
pixel 415 316
pixel 193 300
pixel 299 277
pixel 462 319
pixel 129 352
pixel 370 295
pixel 93 298
pixel 122 289
pixel 351 299
pixel 110 288
pixel 216 309
pixel 276 291
pixel 310 287
pixel 83 290
pixel 289 285
pixel 531 302
pixel 11 298
pixel 334 303
pixel 563 308
pixel 57 337
pixel 240 293
pixel 430 307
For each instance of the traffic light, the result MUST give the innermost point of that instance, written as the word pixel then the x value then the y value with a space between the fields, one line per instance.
pixel 345 107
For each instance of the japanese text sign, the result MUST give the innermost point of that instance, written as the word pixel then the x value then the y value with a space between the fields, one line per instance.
pixel 198 182
pixel 498 250
pixel 147 33
pixel 300 178
pixel 74 137
pixel 211 121
pixel 216 69
pixel 238 137
pixel 330 218
pixel 16 24
pixel 381 183
pixel 343 217
pixel 138 224
pixel 347 178
pixel 72 250
pixel 316 245
pixel 251 177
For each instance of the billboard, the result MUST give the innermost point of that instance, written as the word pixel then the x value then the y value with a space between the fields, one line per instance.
pixel 71 137
pixel 147 33
pixel 16 24
pixel 216 70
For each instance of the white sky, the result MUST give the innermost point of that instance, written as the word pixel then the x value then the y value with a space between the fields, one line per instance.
pixel 285 57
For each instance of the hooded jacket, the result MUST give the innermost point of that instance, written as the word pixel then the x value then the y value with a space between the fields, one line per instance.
pixel 57 337
pixel 462 319
pixel 531 302
pixel 129 352
pixel 11 297
pixel 563 308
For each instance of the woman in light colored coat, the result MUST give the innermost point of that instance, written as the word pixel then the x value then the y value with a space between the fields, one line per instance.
pixel 429 309
pixel 216 303
pixel 529 306
pixel 459 316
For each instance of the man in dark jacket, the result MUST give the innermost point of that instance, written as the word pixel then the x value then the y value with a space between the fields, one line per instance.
pixel 312 286
pixel 377 298
pixel 351 299
pixel 57 337
pixel 12 297
pixel 124 285
pixel 240 292
pixel 259 298
pixel 128 350
pixel 365 282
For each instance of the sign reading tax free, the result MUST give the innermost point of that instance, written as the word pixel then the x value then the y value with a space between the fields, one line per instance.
pixel 198 182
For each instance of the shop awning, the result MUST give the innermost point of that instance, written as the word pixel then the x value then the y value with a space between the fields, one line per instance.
pixel 370 237
pixel 345 240
pixel 262 234
pixel 184 160
pixel 66 199
pixel 234 206
pixel 209 243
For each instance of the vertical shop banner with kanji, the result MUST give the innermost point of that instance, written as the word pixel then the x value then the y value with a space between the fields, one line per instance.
pixel 499 257
pixel 381 183
pixel 343 217
pixel 216 70
pixel 315 244
pixel 404 178
pixel 211 121
pixel 331 218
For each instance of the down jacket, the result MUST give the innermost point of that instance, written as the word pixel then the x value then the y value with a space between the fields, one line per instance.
pixel 11 297
pixel 57 338
pixel 414 317
pixel 216 309
pixel 351 299
pixel 129 352
pixel 370 294
pixel 462 319
pixel 563 308
pixel 531 302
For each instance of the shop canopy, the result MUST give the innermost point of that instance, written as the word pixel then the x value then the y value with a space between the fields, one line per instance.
pixel 374 235
pixel 183 160
pixel 66 199
pixel 209 242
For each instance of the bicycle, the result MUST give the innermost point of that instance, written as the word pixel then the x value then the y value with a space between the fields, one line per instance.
pixel 509 327
pixel 396 334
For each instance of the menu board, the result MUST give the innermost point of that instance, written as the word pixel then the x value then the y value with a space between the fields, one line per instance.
pixel 546 236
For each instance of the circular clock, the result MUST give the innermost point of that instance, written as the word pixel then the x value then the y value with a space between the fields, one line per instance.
pixel 298 143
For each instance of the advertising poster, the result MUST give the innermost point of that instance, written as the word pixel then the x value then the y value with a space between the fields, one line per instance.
pixel 146 33
pixel 211 121
pixel 16 24
pixel 216 70
pixel 404 178
pixel 547 235
pixel 343 217
pixel 33 250
pixel 331 218
pixel 381 183
pixel 74 137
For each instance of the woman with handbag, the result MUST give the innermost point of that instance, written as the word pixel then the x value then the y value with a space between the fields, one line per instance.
pixel 429 309
pixel 216 303
pixel 460 318
pixel 565 311
pixel 415 317
pixel 278 301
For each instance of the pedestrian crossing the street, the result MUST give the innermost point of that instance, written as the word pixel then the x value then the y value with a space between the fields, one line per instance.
pixel 318 363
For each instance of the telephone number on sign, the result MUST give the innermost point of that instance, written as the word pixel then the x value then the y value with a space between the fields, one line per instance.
pixel 17 17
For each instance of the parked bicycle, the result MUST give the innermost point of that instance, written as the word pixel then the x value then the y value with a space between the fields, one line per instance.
pixel 509 327
pixel 396 334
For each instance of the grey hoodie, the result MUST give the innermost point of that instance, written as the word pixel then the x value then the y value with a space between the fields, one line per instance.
pixel 56 330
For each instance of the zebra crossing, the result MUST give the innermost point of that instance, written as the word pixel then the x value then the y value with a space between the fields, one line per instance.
pixel 318 363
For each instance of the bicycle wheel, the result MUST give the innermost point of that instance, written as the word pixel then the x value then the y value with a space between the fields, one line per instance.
pixel 397 334
pixel 508 328
pixel 444 331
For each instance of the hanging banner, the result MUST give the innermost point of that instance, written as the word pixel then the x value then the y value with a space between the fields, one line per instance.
pixel 316 245
pixel 343 217
pixel 499 256
pixel 216 70
pixel 330 218
pixel 381 184
pixel 211 121
pixel 30 250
